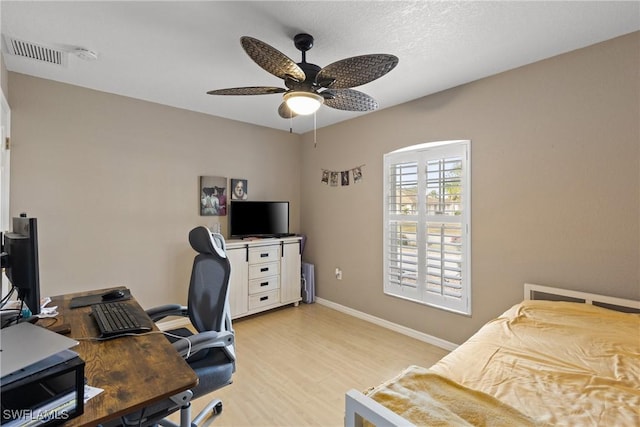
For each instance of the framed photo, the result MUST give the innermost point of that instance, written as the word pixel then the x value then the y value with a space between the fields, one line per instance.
pixel 345 177
pixel 334 179
pixel 325 177
pixel 213 196
pixel 239 190
pixel 357 174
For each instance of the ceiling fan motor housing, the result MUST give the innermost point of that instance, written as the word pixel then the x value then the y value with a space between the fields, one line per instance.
pixel 310 72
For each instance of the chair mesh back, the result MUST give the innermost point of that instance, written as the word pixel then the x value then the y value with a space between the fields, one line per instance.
pixel 209 283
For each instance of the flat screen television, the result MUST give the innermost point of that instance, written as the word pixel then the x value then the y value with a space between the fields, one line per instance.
pixel 258 219
pixel 20 250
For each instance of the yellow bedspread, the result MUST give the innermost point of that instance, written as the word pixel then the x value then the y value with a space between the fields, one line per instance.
pixel 556 362
pixel 428 399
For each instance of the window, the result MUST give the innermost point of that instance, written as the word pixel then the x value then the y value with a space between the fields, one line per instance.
pixel 427 204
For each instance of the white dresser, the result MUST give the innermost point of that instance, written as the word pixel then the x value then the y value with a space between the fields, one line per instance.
pixel 265 274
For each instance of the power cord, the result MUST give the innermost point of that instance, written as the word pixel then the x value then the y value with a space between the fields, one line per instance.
pixel 182 338
pixel 5 299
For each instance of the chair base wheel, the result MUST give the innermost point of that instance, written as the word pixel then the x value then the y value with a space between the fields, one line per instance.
pixel 217 409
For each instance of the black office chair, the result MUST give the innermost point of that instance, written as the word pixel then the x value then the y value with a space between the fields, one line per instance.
pixel 210 352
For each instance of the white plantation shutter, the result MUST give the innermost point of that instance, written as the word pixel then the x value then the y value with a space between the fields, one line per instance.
pixel 426 224
pixel 401 234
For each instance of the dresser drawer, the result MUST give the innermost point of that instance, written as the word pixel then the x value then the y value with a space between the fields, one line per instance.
pixel 264 299
pixel 259 271
pixel 264 254
pixel 264 285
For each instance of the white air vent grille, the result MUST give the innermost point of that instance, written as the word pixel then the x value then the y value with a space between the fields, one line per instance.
pixel 36 51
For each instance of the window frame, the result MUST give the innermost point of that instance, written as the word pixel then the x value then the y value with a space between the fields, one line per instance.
pixel 421 154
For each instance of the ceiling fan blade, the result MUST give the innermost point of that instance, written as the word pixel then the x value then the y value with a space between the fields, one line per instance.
pixel 251 90
pixel 271 59
pixel 286 112
pixel 349 100
pixel 355 71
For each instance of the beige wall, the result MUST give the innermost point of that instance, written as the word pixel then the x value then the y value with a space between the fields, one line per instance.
pixel 114 183
pixel 555 186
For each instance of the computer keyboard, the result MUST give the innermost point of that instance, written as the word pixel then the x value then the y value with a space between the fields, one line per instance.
pixel 117 318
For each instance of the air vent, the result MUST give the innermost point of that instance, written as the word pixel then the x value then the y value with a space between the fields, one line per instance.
pixel 35 51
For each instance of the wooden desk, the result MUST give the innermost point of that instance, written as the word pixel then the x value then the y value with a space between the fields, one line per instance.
pixel 133 371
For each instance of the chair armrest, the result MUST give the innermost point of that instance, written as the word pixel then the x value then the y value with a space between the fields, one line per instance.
pixel 203 340
pixel 160 312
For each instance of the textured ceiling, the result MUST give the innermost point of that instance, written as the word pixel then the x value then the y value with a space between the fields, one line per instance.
pixel 172 52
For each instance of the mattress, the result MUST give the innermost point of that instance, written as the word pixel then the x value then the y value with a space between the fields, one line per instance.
pixel 540 363
pixel 558 363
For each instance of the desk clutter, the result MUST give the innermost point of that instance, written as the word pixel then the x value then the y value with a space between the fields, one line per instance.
pixel 45 375
pixel 42 378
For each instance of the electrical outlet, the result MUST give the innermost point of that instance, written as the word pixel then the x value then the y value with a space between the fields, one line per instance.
pixel 338 273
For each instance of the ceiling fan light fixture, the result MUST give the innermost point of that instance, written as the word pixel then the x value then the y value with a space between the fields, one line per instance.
pixel 303 103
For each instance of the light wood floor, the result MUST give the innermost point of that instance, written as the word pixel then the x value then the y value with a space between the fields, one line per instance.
pixel 295 365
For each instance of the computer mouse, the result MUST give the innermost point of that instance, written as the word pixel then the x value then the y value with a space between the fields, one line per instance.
pixel 111 295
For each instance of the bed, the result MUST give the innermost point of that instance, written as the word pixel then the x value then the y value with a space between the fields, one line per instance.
pixel 560 357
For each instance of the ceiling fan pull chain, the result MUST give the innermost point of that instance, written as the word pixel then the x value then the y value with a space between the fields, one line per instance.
pixel 315 140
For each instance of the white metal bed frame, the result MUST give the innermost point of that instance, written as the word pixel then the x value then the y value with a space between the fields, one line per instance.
pixel 359 407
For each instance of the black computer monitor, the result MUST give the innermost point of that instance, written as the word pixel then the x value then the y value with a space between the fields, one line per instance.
pixel 20 249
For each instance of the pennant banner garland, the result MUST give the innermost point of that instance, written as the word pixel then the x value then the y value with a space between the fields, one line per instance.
pixel 341 178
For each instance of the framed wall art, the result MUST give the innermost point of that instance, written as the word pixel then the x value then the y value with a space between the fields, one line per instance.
pixel 239 190
pixel 213 196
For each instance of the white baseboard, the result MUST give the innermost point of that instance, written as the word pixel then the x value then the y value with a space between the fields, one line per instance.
pixel 420 336
pixel 429 339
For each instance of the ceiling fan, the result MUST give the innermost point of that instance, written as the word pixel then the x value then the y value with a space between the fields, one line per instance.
pixel 308 85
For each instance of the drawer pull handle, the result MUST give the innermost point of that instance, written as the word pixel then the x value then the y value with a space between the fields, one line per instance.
pixel 264 255
pixel 264 284
pixel 264 298
pixel 264 269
